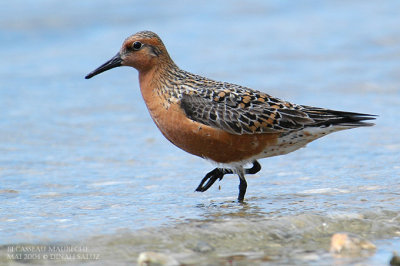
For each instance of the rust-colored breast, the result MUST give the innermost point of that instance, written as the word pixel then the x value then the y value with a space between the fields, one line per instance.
pixel 208 142
pixel 205 141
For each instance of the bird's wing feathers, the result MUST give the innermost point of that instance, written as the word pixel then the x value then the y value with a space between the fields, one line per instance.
pixel 326 117
pixel 244 111
pixel 237 114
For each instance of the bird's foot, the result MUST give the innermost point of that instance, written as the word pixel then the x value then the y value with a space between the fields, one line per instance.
pixel 218 173
pixel 211 177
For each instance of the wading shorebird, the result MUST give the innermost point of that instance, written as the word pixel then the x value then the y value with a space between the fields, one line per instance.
pixel 228 124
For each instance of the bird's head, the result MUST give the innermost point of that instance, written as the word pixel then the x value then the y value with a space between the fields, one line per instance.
pixel 143 51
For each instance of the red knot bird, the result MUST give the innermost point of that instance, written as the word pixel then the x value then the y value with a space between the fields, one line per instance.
pixel 226 123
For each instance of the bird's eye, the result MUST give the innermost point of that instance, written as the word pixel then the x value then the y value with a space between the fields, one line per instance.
pixel 137 45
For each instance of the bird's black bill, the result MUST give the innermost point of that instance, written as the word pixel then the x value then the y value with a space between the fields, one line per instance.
pixel 116 61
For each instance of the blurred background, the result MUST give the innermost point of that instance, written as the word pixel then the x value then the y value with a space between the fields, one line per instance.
pixel 82 161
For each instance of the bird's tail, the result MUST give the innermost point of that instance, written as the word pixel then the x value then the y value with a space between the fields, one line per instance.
pixel 325 118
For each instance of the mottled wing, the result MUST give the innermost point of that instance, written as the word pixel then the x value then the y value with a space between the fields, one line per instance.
pixel 233 115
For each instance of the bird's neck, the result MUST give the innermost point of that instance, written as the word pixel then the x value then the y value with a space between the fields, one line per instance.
pixel 159 81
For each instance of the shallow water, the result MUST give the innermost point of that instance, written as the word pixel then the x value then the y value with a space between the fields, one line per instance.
pixel 81 162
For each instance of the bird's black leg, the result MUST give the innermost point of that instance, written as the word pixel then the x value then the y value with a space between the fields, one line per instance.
pixel 242 185
pixel 254 169
pixel 217 173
